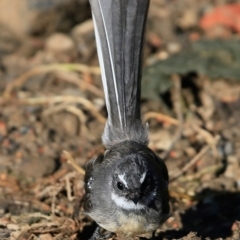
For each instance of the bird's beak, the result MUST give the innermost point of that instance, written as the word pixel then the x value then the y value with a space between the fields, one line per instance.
pixel 135 198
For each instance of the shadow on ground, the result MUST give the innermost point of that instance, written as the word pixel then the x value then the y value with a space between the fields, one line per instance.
pixel 212 217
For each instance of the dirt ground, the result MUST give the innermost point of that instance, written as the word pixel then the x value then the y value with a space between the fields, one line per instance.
pixel 51 100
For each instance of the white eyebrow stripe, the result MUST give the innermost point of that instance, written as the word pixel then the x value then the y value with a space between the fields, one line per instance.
pixel 143 177
pixel 125 204
pixel 122 178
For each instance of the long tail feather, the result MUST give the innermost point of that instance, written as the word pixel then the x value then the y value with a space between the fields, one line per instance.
pixel 119 29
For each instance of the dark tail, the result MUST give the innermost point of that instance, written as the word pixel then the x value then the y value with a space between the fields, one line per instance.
pixel 119 30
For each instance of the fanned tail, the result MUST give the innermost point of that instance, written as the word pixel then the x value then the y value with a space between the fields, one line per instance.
pixel 119 30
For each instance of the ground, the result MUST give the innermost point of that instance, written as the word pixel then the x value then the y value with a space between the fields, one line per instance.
pixel 52 108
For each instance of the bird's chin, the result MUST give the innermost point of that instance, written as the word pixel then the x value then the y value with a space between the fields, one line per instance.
pixel 125 203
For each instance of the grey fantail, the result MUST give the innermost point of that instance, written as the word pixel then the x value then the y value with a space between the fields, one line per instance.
pixel 126 187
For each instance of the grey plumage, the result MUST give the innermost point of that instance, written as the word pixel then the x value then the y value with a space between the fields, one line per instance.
pixel 119 29
pixel 126 187
pixel 131 160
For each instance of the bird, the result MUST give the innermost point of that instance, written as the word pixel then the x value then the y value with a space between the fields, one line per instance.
pixel 126 188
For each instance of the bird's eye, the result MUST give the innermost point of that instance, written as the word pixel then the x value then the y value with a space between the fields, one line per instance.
pixel 120 186
pixel 87 203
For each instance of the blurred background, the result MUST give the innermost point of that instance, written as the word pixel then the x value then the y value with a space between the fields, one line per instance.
pixel 51 100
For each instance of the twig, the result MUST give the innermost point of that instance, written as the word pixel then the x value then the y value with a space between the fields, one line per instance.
pixel 67 99
pixel 177 100
pixel 53 178
pixel 31 237
pixel 82 84
pixel 174 191
pixel 74 110
pixel 203 151
pixel 68 189
pixel 160 117
pixel 208 137
pixel 38 215
pixel 53 192
pixel 199 174
pixel 73 163
pixel 53 204
pixel 45 69
pixel 68 185
pixel 176 194
pixel 82 119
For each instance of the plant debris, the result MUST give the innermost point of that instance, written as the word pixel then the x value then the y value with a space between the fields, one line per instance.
pixel 52 115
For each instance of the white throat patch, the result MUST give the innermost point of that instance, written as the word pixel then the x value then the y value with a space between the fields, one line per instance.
pixel 122 202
